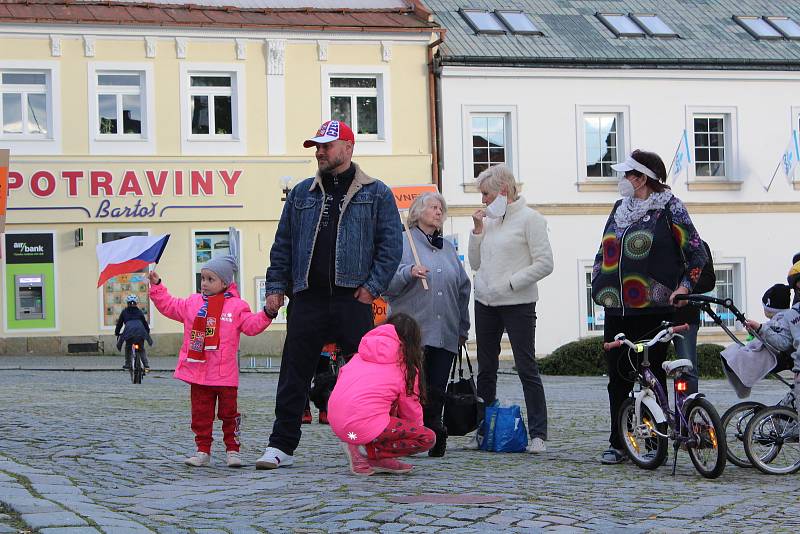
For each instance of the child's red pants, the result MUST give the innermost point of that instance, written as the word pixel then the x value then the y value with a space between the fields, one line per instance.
pixel 400 438
pixel 204 399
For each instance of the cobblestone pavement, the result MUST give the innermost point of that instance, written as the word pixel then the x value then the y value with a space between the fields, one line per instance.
pixel 86 452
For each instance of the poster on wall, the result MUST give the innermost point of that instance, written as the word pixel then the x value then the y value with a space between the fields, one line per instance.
pixel 208 245
pixel 117 288
pixel 116 291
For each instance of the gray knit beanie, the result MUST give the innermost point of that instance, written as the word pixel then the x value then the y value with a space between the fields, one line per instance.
pixel 224 266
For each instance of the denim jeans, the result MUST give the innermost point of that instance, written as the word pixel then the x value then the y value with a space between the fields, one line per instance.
pixel 686 347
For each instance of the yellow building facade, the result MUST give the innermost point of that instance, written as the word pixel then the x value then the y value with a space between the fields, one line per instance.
pixel 138 129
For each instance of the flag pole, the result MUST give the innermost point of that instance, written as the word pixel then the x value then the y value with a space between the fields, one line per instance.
pixel 778 166
pixel 674 157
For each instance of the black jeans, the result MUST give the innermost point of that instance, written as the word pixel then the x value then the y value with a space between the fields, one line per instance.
pixel 438 362
pixel 519 320
pixel 621 373
pixel 314 320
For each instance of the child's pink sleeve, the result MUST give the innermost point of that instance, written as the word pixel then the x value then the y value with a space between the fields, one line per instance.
pixel 408 406
pixel 251 323
pixel 169 306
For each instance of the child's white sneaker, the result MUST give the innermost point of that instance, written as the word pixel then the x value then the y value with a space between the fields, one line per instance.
pixel 274 458
pixel 199 459
pixel 537 446
pixel 234 460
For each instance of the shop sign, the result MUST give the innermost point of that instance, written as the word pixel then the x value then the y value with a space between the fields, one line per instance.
pixel 122 194
pixel 29 248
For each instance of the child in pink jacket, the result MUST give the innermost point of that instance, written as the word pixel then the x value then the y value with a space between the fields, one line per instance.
pixel 208 362
pixel 375 406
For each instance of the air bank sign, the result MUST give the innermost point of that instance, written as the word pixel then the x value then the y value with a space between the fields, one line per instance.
pixel 131 194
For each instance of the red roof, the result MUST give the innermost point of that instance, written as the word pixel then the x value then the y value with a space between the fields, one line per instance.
pixel 414 18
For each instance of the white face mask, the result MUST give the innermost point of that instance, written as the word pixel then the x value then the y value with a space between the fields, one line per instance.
pixel 497 208
pixel 625 188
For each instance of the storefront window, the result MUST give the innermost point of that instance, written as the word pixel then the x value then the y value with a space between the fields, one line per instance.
pixel 206 246
pixel 116 289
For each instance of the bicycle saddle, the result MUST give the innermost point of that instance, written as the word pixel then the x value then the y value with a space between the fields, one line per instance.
pixel 674 365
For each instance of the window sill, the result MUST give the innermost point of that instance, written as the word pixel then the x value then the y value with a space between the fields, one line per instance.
pixel 714 185
pixel 595 186
pixel 473 188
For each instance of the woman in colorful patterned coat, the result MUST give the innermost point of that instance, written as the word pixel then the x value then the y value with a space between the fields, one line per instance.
pixel 650 253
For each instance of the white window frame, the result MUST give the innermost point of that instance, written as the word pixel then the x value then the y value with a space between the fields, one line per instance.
pixel 380 144
pixel 510 115
pixel 737 265
pixel 794 124
pixel 584 268
pixel 729 113
pixel 38 144
pixel 234 144
pixel 623 138
pixel 123 144
pixel 150 316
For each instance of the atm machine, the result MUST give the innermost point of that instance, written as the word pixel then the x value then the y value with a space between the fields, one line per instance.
pixel 29 296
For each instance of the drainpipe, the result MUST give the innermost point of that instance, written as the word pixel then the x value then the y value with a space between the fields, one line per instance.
pixel 433 107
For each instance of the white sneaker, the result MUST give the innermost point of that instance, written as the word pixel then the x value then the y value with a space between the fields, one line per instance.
pixel 234 460
pixel 274 458
pixel 537 446
pixel 199 459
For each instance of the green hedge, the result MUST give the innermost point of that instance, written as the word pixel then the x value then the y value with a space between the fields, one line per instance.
pixel 585 357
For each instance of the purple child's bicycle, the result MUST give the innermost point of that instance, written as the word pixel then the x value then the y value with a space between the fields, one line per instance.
pixel 646 421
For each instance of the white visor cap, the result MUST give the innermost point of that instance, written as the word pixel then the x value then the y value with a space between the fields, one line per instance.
pixel 631 164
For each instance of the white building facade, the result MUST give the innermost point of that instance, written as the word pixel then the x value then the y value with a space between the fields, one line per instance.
pixel 561 126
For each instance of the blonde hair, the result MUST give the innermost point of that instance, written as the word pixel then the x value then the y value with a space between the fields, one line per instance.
pixel 421 202
pixel 495 177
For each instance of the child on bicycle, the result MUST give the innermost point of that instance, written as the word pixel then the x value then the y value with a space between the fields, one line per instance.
pixel 132 328
pixel 375 406
pixel 782 330
pixel 212 323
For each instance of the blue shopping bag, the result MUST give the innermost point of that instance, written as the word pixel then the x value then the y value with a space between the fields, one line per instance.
pixel 503 430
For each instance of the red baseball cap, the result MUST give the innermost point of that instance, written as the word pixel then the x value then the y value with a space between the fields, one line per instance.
pixel 330 131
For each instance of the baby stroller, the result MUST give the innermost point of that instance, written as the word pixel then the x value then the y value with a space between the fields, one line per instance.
pixel 760 435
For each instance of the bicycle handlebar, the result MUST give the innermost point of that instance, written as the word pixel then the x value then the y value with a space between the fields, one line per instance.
pixel 664 336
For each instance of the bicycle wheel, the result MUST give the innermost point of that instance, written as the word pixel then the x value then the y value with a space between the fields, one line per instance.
pixel 645 448
pixel 734 422
pixel 771 441
pixel 138 370
pixel 706 430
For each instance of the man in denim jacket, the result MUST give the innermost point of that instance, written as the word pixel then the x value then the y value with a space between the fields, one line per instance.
pixel 337 247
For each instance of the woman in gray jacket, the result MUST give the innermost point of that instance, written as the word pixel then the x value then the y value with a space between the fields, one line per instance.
pixel 442 310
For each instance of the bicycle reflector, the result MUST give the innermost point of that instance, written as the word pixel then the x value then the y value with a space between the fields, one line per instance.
pixel 136 346
pixel 682 386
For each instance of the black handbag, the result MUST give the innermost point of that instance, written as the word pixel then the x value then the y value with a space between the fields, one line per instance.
pixel 462 406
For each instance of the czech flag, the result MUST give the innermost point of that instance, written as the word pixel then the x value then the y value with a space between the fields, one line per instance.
pixel 129 255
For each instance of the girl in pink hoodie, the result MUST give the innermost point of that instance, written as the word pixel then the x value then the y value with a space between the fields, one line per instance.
pixel 212 323
pixel 375 406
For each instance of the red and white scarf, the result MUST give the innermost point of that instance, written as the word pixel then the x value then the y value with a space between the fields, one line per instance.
pixel 205 328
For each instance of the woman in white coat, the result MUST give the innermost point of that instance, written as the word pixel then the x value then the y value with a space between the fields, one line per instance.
pixel 510 251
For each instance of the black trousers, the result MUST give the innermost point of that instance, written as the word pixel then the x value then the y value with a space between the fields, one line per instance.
pixel 519 320
pixel 314 320
pixel 438 362
pixel 621 373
